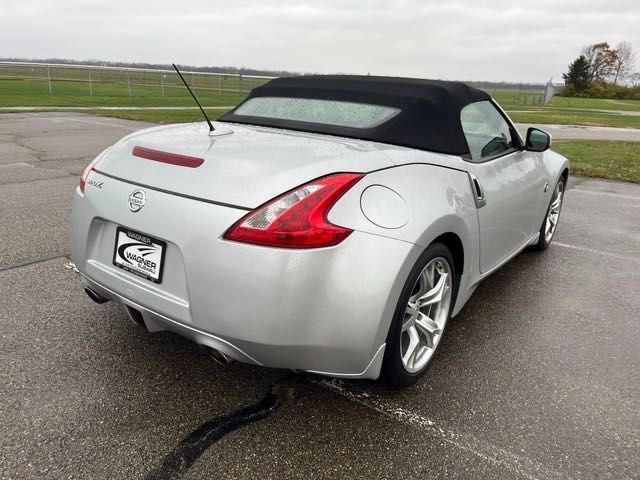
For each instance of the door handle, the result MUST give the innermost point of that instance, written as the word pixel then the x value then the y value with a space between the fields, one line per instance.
pixel 478 192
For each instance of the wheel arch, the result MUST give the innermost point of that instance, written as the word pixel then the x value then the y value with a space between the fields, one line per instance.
pixel 453 242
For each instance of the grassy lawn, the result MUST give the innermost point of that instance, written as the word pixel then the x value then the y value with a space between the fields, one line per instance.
pixel 604 159
pixel 76 94
pixel 596 103
pixel 575 117
pixel 522 105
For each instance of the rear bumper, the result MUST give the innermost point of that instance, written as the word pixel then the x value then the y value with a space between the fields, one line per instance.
pixel 325 310
pixel 157 322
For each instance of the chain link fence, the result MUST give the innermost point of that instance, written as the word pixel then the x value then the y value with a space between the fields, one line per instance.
pixel 60 79
pixel 88 80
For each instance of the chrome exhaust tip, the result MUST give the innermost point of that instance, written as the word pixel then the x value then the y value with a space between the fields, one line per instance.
pixel 220 358
pixel 96 297
pixel 135 316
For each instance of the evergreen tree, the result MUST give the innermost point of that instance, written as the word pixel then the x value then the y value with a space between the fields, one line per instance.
pixel 578 74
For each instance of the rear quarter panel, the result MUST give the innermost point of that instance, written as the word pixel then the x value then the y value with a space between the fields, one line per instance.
pixel 437 199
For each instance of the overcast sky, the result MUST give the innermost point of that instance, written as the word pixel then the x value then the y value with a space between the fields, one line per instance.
pixel 465 40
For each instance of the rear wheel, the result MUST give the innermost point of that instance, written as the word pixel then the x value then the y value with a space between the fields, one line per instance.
pixel 550 223
pixel 421 316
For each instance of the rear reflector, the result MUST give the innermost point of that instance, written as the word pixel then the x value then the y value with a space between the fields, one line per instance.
pixel 167 157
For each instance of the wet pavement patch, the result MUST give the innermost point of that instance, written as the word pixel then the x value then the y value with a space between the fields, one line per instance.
pixel 180 459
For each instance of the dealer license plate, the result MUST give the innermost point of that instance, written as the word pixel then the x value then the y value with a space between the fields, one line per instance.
pixel 139 254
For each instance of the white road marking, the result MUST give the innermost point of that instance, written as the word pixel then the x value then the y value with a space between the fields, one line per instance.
pixel 481 448
pixel 594 251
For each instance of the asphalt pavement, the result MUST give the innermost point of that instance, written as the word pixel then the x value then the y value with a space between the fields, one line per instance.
pixel 537 377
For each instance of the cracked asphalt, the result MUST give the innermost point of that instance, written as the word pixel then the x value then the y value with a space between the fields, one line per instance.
pixel 537 377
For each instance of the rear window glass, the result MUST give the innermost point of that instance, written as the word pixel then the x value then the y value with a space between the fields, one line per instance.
pixel 310 110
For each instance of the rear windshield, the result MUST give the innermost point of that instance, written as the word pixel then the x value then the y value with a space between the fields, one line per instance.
pixel 310 110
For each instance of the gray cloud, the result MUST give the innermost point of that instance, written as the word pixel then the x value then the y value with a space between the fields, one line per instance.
pixel 458 39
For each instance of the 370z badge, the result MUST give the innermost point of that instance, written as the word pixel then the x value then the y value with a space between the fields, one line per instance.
pixel 139 254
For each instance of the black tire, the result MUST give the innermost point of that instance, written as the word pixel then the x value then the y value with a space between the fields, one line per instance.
pixel 542 243
pixel 393 371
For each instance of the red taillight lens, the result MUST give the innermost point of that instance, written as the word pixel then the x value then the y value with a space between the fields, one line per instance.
pixel 86 172
pixel 298 218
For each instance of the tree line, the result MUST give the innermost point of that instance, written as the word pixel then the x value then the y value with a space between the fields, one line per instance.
pixel 602 71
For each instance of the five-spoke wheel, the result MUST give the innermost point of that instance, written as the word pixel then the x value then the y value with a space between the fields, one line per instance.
pixel 421 316
pixel 550 222
pixel 426 314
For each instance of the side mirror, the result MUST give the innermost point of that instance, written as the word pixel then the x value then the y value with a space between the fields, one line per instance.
pixel 537 140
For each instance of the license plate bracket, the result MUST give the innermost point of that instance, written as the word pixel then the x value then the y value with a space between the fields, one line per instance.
pixel 139 254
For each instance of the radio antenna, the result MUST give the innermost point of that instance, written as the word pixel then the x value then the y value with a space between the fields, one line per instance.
pixel 211 129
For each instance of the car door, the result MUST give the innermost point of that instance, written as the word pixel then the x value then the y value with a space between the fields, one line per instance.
pixel 506 179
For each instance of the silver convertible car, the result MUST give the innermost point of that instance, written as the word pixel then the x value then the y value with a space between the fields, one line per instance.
pixel 331 224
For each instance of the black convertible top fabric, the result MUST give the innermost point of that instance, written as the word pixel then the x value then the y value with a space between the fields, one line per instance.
pixel 429 118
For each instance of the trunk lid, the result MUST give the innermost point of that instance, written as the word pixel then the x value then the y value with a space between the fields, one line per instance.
pixel 245 168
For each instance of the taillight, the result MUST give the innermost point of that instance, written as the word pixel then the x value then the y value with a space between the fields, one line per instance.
pixel 85 174
pixel 298 218
pixel 88 168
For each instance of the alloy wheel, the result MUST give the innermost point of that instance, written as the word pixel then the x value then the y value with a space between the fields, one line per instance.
pixel 553 214
pixel 426 314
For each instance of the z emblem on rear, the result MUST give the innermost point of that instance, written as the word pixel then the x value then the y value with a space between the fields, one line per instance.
pixel 136 200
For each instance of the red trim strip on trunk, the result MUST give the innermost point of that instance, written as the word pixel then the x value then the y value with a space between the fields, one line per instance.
pixel 166 157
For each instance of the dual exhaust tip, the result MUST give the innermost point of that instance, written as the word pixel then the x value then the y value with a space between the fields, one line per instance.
pixel 96 297
pixel 219 357
pixel 136 317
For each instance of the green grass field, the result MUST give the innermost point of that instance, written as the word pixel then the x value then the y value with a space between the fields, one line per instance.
pixel 575 117
pixel 76 94
pixel 604 159
pixel 522 105
pixel 595 103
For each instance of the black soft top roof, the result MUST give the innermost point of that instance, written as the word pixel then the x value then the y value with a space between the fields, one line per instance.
pixel 429 118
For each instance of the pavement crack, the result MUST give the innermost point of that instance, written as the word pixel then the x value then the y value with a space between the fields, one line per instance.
pixel 181 458
pixel 32 262
pixel 36 180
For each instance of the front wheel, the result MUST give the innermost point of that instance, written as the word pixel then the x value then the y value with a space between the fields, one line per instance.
pixel 550 223
pixel 421 316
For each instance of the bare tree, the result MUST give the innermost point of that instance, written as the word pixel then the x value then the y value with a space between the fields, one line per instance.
pixel 623 63
pixel 634 79
pixel 601 60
